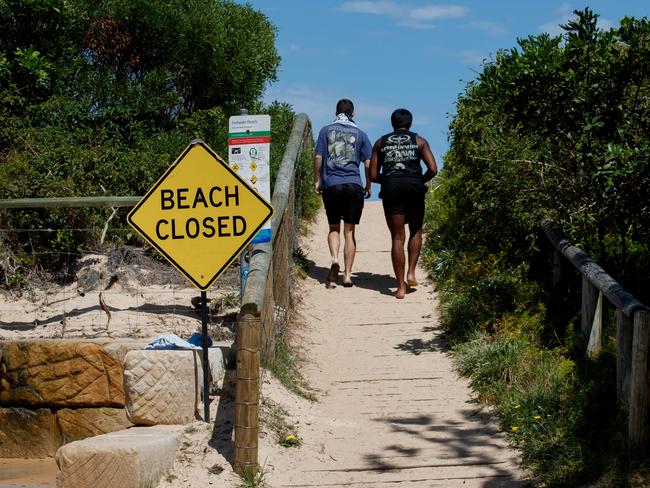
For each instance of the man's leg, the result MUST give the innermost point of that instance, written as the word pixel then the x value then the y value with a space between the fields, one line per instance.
pixel 397 233
pixel 349 250
pixel 414 246
pixel 334 242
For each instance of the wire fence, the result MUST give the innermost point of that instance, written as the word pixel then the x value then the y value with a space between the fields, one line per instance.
pixel 114 290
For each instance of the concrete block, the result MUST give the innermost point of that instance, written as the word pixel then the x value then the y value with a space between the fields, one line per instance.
pixel 229 353
pixel 28 433
pixel 162 386
pixel 217 366
pixel 134 458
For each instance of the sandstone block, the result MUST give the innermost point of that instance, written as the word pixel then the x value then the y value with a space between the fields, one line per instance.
pixel 62 373
pixel 131 458
pixel 28 433
pixel 81 423
pixel 162 386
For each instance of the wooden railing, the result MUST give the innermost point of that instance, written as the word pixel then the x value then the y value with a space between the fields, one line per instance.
pixel 632 332
pixel 265 299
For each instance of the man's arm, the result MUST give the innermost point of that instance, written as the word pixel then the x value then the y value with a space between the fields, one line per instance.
pixel 318 165
pixel 428 158
pixel 368 189
pixel 375 177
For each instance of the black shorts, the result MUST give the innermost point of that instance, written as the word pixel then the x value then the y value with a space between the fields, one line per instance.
pixel 343 202
pixel 403 196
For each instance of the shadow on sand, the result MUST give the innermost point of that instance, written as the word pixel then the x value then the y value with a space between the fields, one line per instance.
pixel 458 443
pixel 381 283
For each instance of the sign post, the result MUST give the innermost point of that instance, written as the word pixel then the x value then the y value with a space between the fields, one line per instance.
pixel 249 152
pixel 200 215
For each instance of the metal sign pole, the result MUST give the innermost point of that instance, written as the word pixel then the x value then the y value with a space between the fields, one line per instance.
pixel 206 363
pixel 244 268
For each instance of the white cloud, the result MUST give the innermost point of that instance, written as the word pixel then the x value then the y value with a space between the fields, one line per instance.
pixel 383 7
pixel 491 28
pixel 300 50
pixel 320 105
pixel 438 12
pixel 605 24
pixel 472 56
pixel 406 16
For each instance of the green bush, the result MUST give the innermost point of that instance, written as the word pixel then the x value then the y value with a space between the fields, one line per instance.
pixel 555 127
pixel 99 98
pixel 555 412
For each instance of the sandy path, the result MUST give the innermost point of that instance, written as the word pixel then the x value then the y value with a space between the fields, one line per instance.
pixel 391 411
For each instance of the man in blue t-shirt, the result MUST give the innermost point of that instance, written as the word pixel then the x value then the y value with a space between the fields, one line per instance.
pixel 340 150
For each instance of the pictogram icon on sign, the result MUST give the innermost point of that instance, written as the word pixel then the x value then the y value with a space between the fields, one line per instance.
pixel 200 214
pixel 253 166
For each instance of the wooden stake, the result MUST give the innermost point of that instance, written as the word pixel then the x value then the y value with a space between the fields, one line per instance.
pixel 640 389
pixel 624 333
pixel 247 393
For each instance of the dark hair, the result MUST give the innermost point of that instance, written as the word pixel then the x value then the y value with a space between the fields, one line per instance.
pixel 401 118
pixel 345 106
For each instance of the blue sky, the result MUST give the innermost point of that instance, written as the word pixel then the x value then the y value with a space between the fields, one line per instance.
pixel 386 54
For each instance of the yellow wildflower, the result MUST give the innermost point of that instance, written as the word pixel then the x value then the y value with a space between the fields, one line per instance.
pixel 289 438
pixel 514 428
pixel 517 406
pixel 537 417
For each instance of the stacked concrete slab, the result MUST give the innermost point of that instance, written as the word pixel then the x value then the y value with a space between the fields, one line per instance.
pixel 132 458
pixel 162 386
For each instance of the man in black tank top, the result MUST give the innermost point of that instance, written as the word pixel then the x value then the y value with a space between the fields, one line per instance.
pixel 395 163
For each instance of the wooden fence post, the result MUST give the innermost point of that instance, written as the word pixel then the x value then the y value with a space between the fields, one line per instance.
pixel 268 316
pixel 589 303
pixel 639 388
pixel 247 392
pixel 595 343
pixel 557 269
pixel 624 334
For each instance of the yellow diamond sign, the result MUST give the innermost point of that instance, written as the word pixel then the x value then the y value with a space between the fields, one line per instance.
pixel 200 215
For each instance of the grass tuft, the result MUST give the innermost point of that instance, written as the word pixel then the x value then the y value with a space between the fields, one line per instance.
pixel 253 478
pixel 285 366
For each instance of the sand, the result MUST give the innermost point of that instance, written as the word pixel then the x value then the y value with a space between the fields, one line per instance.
pixel 390 411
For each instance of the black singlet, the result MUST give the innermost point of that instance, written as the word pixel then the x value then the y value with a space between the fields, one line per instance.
pixel 399 155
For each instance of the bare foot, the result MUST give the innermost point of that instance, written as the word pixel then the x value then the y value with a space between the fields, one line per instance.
pixel 347 280
pixel 333 273
pixel 411 282
pixel 400 293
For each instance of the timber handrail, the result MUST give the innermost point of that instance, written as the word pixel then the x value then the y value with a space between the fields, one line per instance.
pixel 632 332
pixel 619 297
pixel 71 202
pixel 269 270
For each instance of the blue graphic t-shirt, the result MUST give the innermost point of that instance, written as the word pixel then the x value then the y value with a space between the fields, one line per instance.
pixel 343 148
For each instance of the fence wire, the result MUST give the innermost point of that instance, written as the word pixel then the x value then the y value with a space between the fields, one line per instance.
pixel 115 291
